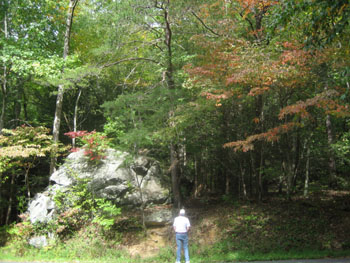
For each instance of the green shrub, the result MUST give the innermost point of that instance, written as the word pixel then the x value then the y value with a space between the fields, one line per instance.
pixel 79 206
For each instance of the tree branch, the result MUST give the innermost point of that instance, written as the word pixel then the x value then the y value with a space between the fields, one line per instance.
pixel 245 18
pixel 203 24
pixel 126 60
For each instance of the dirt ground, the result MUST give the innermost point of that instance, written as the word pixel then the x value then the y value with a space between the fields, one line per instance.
pixel 327 212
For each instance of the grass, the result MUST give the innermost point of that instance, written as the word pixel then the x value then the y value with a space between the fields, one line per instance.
pixel 167 255
pixel 311 228
pixel 235 256
pixel 64 254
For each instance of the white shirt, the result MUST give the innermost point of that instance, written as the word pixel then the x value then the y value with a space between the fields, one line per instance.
pixel 181 224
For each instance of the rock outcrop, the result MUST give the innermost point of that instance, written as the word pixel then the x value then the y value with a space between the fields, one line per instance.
pixel 118 178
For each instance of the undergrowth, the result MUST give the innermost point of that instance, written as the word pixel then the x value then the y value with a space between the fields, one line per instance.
pixel 246 231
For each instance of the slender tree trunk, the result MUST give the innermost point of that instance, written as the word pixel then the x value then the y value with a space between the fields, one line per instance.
pixel 1 202
pixel 331 162
pixel 289 174
pixel 175 175
pixel 25 105
pixel 75 119
pixel 244 188
pixel 307 172
pixel 26 178
pixel 259 152
pixel 195 177
pixel 4 99
pixel 288 165
pixel 300 156
pixel 17 107
pixel 169 74
pixel 3 106
pixel 9 209
pixel 260 173
pixel 60 92
pixel 297 158
pixel 4 82
pixel 139 186
pixel 227 183
pixel 251 174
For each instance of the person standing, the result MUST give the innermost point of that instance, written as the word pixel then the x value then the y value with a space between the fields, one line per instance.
pixel 181 227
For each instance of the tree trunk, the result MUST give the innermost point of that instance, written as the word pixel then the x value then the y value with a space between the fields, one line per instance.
pixel 25 105
pixel 75 119
pixel 9 209
pixel 331 162
pixel 174 176
pixel 4 99
pixel 171 85
pixel 1 202
pixel 259 151
pixel 260 173
pixel 4 83
pixel 26 179
pixel 195 177
pixel 251 173
pixel 297 158
pixel 227 183
pixel 4 96
pixel 289 164
pixel 60 92
pixel 307 172
pixel 139 186
pixel 244 188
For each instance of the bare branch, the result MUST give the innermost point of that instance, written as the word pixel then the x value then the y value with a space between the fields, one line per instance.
pixel 19 120
pixel 202 22
pixel 245 18
pixel 127 60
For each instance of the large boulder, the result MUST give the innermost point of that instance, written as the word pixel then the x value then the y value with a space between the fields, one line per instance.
pixel 158 217
pixel 38 241
pixel 42 240
pixel 118 178
pixel 41 209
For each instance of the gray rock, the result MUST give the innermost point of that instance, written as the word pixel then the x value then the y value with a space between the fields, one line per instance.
pixel 117 178
pixel 38 241
pixel 159 217
pixel 41 209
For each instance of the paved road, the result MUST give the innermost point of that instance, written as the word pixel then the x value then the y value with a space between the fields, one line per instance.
pixel 327 260
pixel 330 260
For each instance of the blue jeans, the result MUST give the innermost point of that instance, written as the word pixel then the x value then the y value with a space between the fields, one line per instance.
pixel 182 240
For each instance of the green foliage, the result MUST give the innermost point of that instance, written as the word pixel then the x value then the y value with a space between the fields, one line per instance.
pixel 136 117
pixel 106 214
pixel 78 205
pixel 342 148
pixel 24 142
pixel 21 149
pixel 274 230
pixel 240 73
pixel 21 230
pixel 342 151
pixel 321 21
pixel 114 129
pixel 86 246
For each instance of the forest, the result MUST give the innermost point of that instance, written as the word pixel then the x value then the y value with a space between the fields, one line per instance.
pixel 235 98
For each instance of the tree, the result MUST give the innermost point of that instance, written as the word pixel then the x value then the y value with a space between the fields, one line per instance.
pixel 21 48
pixel 60 92
pixel 266 81
pixel 21 149
pixel 154 28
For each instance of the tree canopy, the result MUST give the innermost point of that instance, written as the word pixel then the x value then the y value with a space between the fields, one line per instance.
pixel 236 98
